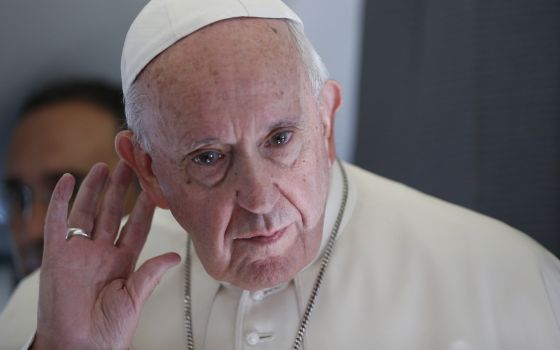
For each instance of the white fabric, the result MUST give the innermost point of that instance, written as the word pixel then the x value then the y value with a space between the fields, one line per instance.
pixel 238 317
pixel 163 22
pixel 408 272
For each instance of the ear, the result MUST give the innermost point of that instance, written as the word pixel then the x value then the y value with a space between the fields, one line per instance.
pixel 330 102
pixel 141 162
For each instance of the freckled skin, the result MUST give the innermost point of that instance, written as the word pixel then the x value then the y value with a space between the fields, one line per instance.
pixel 241 88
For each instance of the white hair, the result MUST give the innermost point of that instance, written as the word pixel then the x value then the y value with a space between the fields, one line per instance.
pixel 312 63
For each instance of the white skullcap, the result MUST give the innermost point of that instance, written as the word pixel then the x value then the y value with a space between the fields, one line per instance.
pixel 161 23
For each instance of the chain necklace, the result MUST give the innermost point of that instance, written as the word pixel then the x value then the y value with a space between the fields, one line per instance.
pixel 316 286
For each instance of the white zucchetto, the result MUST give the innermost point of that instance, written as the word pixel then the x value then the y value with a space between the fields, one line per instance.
pixel 161 23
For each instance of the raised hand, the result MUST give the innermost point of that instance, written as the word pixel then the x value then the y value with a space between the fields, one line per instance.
pixel 90 297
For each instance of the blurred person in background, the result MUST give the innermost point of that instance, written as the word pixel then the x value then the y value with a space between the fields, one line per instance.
pixel 63 128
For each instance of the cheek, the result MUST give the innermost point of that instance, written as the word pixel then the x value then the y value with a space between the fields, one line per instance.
pixel 306 186
pixel 204 214
pixel 188 203
pixel 206 218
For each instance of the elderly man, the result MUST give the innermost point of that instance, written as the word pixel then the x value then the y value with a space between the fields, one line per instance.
pixel 49 141
pixel 232 117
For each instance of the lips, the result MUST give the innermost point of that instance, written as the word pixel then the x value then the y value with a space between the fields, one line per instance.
pixel 262 237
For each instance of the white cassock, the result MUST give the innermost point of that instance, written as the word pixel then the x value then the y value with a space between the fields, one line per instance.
pixel 408 271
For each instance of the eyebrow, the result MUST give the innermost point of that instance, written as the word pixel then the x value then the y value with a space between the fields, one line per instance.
pixel 196 144
pixel 285 123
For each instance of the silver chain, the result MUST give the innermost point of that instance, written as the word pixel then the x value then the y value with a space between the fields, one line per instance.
pixel 187 300
pixel 316 286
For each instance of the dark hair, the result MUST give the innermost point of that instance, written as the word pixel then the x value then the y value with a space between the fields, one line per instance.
pixel 98 93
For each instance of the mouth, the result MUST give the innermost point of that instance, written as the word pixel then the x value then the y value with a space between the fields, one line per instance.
pixel 263 237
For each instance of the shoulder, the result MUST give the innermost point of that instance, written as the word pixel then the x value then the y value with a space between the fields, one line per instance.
pixel 396 229
pixel 445 270
pixel 391 208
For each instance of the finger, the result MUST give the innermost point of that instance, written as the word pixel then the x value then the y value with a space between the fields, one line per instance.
pixel 55 221
pixel 142 283
pixel 82 214
pixel 108 221
pixel 137 228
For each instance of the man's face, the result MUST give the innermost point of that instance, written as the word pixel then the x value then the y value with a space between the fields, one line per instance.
pixel 51 140
pixel 240 149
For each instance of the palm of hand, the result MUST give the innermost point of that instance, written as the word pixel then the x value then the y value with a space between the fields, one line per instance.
pixel 90 295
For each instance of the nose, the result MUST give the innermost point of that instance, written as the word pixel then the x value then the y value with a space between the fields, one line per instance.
pixel 256 190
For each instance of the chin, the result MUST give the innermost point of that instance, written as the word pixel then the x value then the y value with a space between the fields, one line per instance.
pixel 266 273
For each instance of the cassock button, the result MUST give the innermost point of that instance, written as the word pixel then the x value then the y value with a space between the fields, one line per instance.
pixel 258 295
pixel 252 338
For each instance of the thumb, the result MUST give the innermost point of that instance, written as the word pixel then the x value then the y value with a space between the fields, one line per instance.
pixel 143 281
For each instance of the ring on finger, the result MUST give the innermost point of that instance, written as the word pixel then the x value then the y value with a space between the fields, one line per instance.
pixel 76 231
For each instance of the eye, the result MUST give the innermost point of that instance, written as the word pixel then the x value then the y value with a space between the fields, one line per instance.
pixel 281 138
pixel 207 158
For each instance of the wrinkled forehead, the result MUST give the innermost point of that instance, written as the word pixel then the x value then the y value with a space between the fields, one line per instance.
pixel 235 51
pixel 224 74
